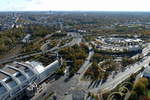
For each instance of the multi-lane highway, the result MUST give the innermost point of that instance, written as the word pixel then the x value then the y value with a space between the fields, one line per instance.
pixel 120 77
pixel 87 63
pixel 62 87
pixel 76 40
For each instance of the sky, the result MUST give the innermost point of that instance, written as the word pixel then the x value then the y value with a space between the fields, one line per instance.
pixel 75 5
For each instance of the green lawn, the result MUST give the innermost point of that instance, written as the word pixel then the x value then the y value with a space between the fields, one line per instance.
pixel 148 93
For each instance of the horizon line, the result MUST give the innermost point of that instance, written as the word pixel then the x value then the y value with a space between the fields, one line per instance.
pixel 72 11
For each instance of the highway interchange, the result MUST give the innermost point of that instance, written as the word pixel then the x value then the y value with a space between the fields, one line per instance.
pixel 62 87
pixel 55 86
pixel 120 77
pixel 74 86
pixel 75 40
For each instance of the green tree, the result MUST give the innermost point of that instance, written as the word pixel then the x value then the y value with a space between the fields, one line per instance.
pixel 133 96
pixel 140 86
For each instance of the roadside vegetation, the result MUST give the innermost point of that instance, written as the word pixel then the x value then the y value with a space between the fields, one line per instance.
pixel 100 71
pixel 129 61
pixel 9 39
pixel 74 57
pixel 121 91
pixel 140 90
pixel 103 66
pixel 65 41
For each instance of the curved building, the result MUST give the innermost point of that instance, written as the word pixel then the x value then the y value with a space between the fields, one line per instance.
pixel 16 77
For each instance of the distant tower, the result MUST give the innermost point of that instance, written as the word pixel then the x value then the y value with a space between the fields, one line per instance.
pixel 61 25
pixel 50 12
pixel 60 20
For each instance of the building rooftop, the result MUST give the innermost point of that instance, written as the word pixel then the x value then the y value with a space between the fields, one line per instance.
pixel 21 74
pixel 37 66
pixel 3 76
pixel 24 68
pixel 2 89
pixel 11 71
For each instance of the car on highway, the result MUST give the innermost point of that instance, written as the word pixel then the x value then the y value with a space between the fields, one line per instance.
pixel 86 59
pixel 78 73
pixel 66 93
pixel 44 94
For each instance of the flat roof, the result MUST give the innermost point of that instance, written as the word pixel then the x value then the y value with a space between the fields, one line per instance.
pixel 2 89
pixel 37 65
pixel 3 76
pixel 11 71
pixel 23 67
pixel 19 66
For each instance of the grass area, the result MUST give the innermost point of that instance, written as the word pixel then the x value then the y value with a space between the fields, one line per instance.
pixel 148 93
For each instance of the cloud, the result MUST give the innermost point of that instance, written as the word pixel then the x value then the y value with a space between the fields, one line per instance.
pixel 102 5
pixel 28 0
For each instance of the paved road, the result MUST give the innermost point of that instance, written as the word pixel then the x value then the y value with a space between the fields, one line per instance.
pixel 87 63
pixel 76 88
pixel 62 87
pixel 75 40
pixel 120 77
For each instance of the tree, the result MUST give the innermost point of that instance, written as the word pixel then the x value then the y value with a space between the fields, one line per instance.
pixel 61 70
pixel 127 61
pixel 133 96
pixel 140 86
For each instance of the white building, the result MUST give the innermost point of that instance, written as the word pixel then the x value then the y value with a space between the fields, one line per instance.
pixel 119 44
pixel 20 77
pixel 26 38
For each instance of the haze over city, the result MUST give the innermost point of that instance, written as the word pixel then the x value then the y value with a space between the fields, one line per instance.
pixel 74 5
